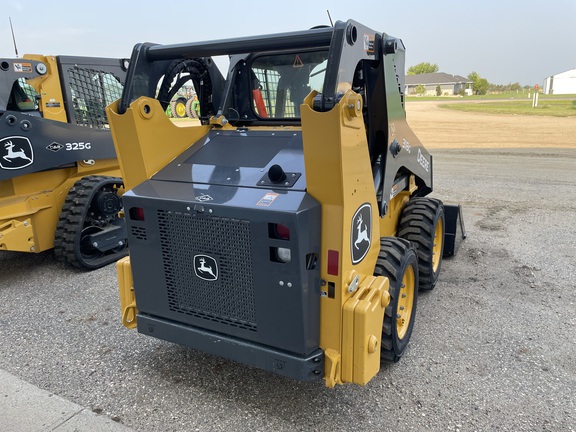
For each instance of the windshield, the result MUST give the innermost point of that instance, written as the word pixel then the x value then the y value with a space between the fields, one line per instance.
pixel 22 97
pixel 281 82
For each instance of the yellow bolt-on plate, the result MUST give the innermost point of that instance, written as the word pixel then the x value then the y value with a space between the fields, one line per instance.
pixel 362 324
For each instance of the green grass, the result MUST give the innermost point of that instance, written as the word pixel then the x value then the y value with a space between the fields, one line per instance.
pixel 554 108
pixel 496 96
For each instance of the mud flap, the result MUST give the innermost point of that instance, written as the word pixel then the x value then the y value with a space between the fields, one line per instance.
pixel 454 231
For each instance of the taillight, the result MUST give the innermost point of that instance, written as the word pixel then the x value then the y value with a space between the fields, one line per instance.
pixel 333 262
pixel 136 213
pixel 278 231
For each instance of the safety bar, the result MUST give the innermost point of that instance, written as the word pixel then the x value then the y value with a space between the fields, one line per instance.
pixel 313 38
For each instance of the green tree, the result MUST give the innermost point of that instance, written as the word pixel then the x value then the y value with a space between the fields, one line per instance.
pixel 473 76
pixel 420 89
pixel 438 90
pixel 423 68
pixel 502 88
pixel 480 85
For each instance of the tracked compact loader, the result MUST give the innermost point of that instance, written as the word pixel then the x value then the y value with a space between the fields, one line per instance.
pixel 291 230
pixel 59 177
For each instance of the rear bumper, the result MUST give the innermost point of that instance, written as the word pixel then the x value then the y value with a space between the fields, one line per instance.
pixel 309 368
pixel 16 235
pixel 27 222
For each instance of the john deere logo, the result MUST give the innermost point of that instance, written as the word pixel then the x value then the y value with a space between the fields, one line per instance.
pixel 361 232
pixel 205 267
pixel 16 153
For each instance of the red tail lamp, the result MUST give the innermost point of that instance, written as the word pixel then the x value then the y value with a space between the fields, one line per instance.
pixel 333 262
pixel 136 213
pixel 283 231
pixel 278 231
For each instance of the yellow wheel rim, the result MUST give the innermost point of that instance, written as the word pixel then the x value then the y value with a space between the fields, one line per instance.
pixel 405 303
pixel 180 109
pixel 437 247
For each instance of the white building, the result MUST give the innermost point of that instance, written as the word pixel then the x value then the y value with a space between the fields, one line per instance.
pixel 562 83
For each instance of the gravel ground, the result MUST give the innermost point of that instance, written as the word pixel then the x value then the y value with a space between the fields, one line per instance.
pixel 494 345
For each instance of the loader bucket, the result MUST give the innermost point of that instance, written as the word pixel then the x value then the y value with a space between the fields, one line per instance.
pixel 455 231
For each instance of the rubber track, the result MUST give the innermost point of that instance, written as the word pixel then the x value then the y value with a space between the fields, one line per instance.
pixel 389 263
pixel 417 226
pixel 72 217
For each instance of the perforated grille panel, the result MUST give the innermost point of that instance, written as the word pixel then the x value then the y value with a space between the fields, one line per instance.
pixel 230 298
pixel 139 233
pixel 92 90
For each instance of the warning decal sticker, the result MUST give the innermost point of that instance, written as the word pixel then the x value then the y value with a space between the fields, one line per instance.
pixel 267 199
pixel 369 44
pixel 298 62
pixel 23 67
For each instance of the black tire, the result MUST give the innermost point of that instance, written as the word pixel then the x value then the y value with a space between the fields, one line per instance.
pixel 191 112
pixel 397 261
pixel 91 205
pixel 422 223
pixel 178 108
pixel 173 109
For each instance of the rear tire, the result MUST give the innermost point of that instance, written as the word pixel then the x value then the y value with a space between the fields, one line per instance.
pixel 91 205
pixel 398 262
pixel 191 112
pixel 422 223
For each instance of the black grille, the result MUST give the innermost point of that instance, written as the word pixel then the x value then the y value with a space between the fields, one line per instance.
pixel 229 299
pixel 139 233
pixel 92 90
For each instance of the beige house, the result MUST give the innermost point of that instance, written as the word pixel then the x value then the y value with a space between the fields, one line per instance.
pixel 450 85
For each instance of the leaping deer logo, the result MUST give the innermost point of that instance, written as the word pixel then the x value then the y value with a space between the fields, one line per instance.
pixel 205 267
pixel 362 234
pixel 14 154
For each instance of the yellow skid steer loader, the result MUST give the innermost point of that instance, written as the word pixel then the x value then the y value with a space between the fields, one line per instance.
pixel 291 230
pixel 60 181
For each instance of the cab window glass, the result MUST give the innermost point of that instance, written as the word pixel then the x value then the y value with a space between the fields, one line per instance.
pixel 281 82
pixel 22 96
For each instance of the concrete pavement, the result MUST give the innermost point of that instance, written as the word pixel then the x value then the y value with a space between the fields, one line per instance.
pixel 27 408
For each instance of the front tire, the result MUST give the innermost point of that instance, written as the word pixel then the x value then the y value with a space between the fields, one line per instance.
pixel 422 223
pixel 398 262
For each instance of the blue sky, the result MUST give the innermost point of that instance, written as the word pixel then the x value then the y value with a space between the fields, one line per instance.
pixel 504 41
